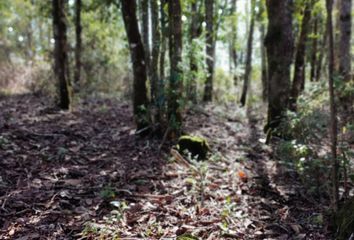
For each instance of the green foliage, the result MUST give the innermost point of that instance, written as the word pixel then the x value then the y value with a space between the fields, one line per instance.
pixel 118 213
pixel 344 88
pixel 26 41
pixel 107 193
pixel 303 134
pixel 345 220
pixel 107 229
pixel 193 51
pixel 106 54
pixel 224 84
pixel 187 237
pixel 312 169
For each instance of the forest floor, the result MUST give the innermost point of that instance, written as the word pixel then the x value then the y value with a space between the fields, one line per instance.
pixel 85 175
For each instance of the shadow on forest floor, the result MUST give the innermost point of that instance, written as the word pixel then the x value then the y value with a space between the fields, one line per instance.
pixel 60 171
pixel 57 168
pixel 280 196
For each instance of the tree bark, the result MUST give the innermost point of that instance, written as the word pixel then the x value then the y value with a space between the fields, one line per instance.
pixel 248 70
pixel 163 40
pixel 345 52
pixel 322 55
pixel 233 48
pixel 264 64
pixel 333 127
pixel 175 47
pixel 145 17
pixel 336 32
pixel 194 33
pixel 210 50
pixel 314 49
pixel 156 37
pixel 264 67
pixel 140 99
pixel 61 69
pixel 161 82
pixel 279 44
pixel 164 36
pixel 299 69
pixel 78 46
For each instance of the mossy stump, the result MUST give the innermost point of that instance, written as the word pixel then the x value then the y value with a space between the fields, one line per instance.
pixel 345 220
pixel 198 147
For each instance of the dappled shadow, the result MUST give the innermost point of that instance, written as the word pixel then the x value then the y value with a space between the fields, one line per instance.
pixel 285 212
pixel 60 169
pixel 223 126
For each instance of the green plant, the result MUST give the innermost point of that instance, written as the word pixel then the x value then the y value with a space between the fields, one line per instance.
pixel 107 193
pixel 3 142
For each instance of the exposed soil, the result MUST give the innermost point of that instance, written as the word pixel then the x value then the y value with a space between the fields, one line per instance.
pixel 84 174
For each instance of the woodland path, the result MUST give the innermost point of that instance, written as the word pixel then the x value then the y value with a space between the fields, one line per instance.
pixel 65 174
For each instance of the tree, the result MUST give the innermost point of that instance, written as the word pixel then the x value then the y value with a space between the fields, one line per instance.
pixel 175 51
pixel 314 48
pixel 210 50
pixel 233 40
pixel 264 69
pixel 333 127
pixel 61 66
pixel 163 47
pixel 154 80
pixel 344 57
pixel 78 30
pixel 321 55
pixel 145 26
pixel 164 36
pixel 194 32
pixel 299 69
pixel 248 70
pixel 279 44
pixel 140 99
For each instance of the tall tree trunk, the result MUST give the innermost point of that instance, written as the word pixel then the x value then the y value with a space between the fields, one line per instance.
pixel 345 51
pixel 299 69
pixel 30 49
pixel 322 55
pixel 78 30
pixel 314 49
pixel 140 99
pixel 210 50
pixel 175 47
pixel 233 47
pixel 279 44
pixel 336 32
pixel 248 70
pixel 61 68
pixel 161 83
pixel 194 33
pixel 264 67
pixel 156 37
pixel 145 17
pixel 264 64
pixel 333 128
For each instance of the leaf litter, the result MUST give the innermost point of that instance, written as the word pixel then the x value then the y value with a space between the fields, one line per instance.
pixel 83 175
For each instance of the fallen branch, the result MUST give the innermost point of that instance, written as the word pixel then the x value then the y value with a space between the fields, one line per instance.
pixel 183 161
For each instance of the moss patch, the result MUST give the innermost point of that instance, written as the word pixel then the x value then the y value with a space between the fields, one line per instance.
pixel 198 147
pixel 187 237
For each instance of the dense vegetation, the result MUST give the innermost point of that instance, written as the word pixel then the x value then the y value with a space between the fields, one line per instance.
pixel 151 96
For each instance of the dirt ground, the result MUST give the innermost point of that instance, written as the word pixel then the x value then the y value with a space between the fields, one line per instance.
pixel 85 175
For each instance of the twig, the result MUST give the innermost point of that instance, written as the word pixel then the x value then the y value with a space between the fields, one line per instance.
pixel 164 138
pixel 183 161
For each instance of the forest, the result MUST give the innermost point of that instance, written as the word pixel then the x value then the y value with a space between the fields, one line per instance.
pixel 176 119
